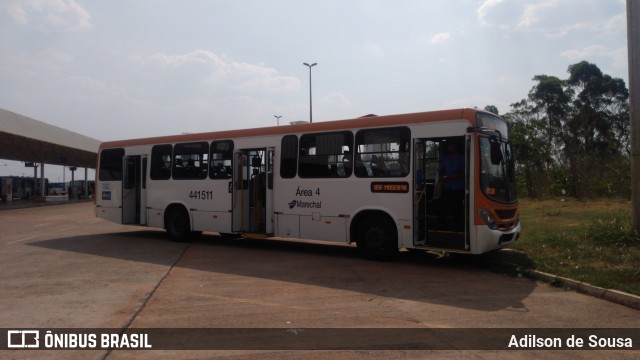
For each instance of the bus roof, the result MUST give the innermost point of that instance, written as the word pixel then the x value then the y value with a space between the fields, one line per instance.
pixel 336 125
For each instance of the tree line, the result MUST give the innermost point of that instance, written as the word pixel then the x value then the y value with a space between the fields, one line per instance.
pixel 572 136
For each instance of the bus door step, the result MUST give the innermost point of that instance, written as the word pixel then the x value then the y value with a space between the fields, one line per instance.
pixel 255 235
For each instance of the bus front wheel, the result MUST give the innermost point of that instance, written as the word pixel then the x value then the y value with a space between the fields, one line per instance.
pixel 377 237
pixel 177 224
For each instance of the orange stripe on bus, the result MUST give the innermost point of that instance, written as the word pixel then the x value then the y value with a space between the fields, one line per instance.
pixel 367 122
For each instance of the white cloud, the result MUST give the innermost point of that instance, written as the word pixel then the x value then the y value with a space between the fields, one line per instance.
pixel 37 64
pixel 586 52
pixel 552 18
pixel 372 48
pixel 337 98
pixel 85 82
pixel 614 23
pixel 486 10
pixel 196 56
pixel 237 75
pixel 57 13
pixel 617 58
pixel 509 14
pixel 532 12
pixel 620 59
pixel 18 13
pixel 60 56
pixel 473 101
pixel 440 38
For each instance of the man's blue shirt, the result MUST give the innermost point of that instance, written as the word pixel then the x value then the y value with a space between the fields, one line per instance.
pixel 450 166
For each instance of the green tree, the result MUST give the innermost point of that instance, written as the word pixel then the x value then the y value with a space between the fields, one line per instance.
pixel 533 155
pixel 551 102
pixel 568 130
pixel 597 128
pixel 492 109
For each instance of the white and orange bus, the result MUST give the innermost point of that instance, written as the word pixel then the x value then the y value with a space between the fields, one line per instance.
pixel 374 181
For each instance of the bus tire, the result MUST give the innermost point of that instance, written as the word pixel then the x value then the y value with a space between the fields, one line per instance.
pixel 376 236
pixel 177 223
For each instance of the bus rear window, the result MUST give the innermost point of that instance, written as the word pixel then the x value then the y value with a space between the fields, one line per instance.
pixel 111 165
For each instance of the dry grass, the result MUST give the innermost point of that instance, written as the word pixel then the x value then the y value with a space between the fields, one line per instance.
pixel 590 241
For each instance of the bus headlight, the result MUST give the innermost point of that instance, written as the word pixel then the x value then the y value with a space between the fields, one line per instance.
pixel 488 219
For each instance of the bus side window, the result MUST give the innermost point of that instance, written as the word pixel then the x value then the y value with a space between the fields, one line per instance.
pixel 191 160
pixel 221 159
pixel 383 152
pixel 324 155
pixel 161 162
pixel 289 157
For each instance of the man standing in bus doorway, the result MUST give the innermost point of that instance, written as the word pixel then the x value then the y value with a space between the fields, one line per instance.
pixel 452 177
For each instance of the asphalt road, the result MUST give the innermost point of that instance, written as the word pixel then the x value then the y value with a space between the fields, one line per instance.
pixel 64 268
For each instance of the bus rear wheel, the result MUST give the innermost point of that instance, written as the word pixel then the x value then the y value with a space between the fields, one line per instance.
pixel 377 238
pixel 177 224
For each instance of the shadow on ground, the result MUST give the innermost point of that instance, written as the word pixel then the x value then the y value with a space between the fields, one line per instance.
pixel 459 281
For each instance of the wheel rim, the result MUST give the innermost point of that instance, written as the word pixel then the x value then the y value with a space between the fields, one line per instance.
pixel 179 224
pixel 375 237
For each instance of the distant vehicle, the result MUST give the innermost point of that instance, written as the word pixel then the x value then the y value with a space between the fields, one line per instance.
pixel 374 181
pixel 21 187
pixel 57 189
pixel 77 188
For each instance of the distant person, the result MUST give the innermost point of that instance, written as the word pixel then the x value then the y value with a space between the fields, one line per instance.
pixel 452 178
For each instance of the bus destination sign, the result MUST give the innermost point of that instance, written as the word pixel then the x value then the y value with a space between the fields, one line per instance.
pixel 390 187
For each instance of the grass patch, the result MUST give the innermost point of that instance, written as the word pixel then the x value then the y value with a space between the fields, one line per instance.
pixel 589 241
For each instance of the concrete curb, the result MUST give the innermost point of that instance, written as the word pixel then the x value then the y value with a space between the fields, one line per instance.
pixel 615 296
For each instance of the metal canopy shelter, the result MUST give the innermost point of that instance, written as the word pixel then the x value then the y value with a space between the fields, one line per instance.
pixel 26 139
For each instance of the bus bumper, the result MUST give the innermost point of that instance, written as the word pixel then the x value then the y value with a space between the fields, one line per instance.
pixel 487 239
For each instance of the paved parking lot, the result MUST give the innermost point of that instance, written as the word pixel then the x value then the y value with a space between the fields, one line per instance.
pixel 64 268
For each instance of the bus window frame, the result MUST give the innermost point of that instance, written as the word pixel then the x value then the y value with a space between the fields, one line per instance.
pixel 289 164
pixel 187 172
pixel 362 171
pixel 309 164
pixel 227 155
pixel 160 168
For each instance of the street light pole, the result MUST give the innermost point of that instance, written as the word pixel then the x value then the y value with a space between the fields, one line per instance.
pixel 278 117
pixel 633 45
pixel 310 101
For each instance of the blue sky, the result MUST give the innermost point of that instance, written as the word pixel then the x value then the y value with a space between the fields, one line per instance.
pixel 120 69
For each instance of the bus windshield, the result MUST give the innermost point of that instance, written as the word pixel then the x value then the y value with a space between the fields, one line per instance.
pixel 497 166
